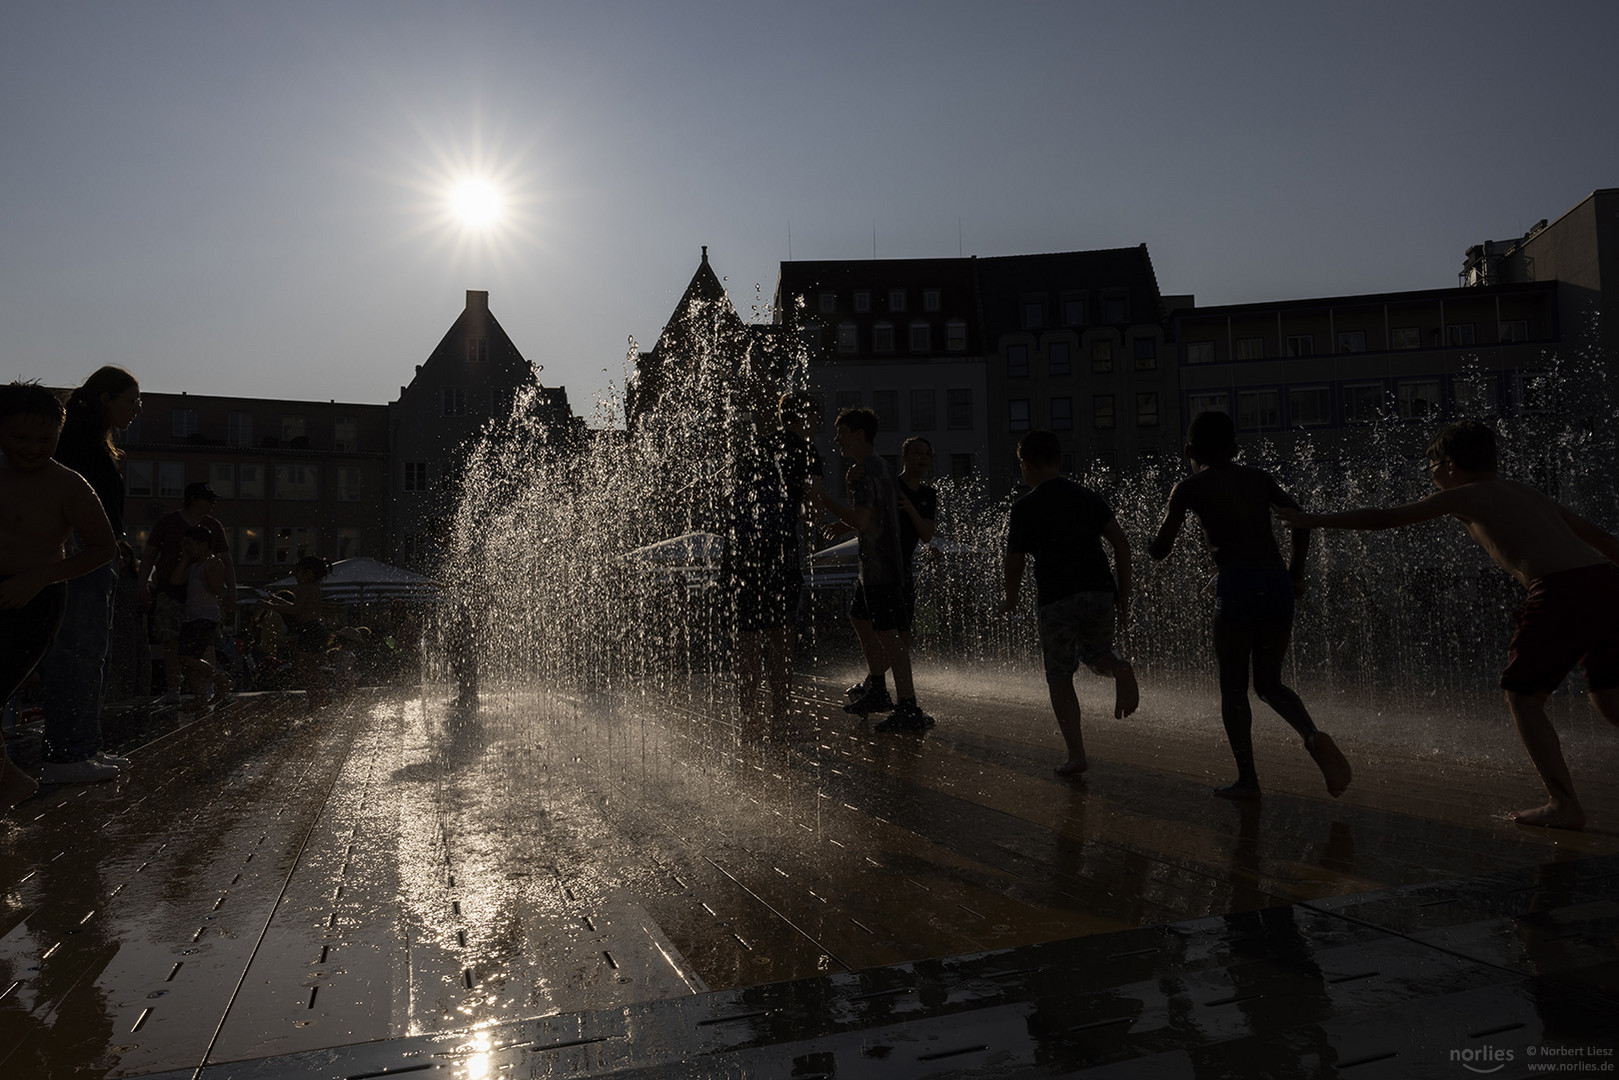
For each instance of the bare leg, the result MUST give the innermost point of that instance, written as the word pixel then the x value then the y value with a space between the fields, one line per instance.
pixel 876 656
pixel 1562 809
pixel 899 658
pixel 1126 693
pixel 1233 644
pixel 1065 703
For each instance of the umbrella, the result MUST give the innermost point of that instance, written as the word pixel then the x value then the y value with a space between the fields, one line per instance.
pixel 362 579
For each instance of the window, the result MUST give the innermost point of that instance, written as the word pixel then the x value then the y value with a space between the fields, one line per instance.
pixel 896 299
pixel 1101 356
pixel 1250 348
pixel 848 338
pixel 171 479
pixel 1062 414
pixel 930 300
pixel 1017 414
pixel 1351 341
pixel 348 543
pixel 239 429
pixel 1116 307
pixel 250 546
pixel 1476 397
pixel 1073 309
pixel 1017 361
pixel 1363 403
pixel 183 422
pixel 1301 345
pixel 1516 330
pixel 415 476
pixel 921 339
pixel 1147 409
pixel 348 483
pixel 1034 313
pixel 848 399
pixel 292 544
pixel 885 403
pixel 1197 404
pixel 1146 353
pixel 477 350
pixel 1309 406
pixel 292 427
pixel 1102 410
pixel 1418 400
pixel 862 300
pixel 250 481
pixel 1258 410
pixel 829 302
pixel 882 338
pixel 346 435
pixel 923 410
pixel 1405 337
pixel 955 336
pixel 1459 334
pixel 138 478
pixel 961 466
pixel 959 410
pixel 1200 352
pixel 1057 359
pixel 222 478
pixel 299 482
pixel 452 401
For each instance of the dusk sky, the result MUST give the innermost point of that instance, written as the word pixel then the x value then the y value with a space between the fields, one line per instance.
pixel 255 199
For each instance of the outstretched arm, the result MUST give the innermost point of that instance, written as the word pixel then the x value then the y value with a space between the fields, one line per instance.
pixel 1436 505
pixel 1170 527
pixel 1121 562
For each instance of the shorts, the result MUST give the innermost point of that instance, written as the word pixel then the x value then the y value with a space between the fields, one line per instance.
pixel 197 636
pixel 1569 617
pixel 167 615
pixel 766 597
pixel 1249 595
pixel 1076 629
pixel 885 607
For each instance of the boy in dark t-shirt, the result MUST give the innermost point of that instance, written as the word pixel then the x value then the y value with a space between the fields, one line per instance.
pixel 1079 603
pixel 1254 593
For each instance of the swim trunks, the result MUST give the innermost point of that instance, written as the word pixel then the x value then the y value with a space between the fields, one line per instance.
pixel 1569 617
pixel 1076 629
pixel 884 606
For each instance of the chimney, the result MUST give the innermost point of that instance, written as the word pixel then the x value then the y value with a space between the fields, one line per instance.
pixel 477 299
pixel 705 254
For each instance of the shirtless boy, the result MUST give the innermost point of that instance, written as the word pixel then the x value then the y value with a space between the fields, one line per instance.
pixel 42 503
pixel 1572 611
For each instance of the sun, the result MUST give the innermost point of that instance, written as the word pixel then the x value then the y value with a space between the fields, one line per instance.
pixel 476 203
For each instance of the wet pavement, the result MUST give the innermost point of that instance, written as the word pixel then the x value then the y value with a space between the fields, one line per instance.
pixel 617 883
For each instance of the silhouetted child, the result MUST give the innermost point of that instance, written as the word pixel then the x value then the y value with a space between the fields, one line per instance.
pixel 1254 594
pixel 1079 603
pixel 1570 616
pixel 309 633
pixel 44 504
pixel 202 574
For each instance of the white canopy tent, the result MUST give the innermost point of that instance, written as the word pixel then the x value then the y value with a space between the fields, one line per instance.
pixel 362 580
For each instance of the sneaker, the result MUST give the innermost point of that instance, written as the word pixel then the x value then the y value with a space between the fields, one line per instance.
pixel 88 771
pixel 859 689
pixel 1334 766
pixel 170 697
pixel 907 717
pixel 117 761
pixel 871 701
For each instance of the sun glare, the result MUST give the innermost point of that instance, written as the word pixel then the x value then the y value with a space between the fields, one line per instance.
pixel 476 203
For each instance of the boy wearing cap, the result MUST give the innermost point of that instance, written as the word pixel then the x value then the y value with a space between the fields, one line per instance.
pixel 162 554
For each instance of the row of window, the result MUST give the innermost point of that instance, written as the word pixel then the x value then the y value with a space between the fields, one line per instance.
pixel 1272 408
pixel 1074 308
pixel 287 544
pixel 922 409
pixel 1060 358
pixel 918 337
pixel 1456 335
pixel 452 401
pixel 295 483
pixel 898 300
pixel 184 423
pixel 1104 412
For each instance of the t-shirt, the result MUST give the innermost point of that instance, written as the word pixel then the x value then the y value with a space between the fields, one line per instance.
pixel 1060 523
pixel 83 449
pixel 1233 504
pixel 881 562
pixel 925 500
pixel 166 534
pixel 763 528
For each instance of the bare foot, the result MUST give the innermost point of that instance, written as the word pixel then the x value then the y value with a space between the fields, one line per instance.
pixel 1126 694
pixel 1334 766
pixel 15 786
pixel 1238 791
pixel 1071 767
pixel 1552 817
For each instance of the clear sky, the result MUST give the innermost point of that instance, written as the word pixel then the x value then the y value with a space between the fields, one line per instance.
pixel 254 198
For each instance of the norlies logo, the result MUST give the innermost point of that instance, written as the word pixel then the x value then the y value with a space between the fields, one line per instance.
pixel 1484 1059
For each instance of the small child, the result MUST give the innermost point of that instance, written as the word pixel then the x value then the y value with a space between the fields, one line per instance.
pixel 1254 594
pixel 202 574
pixel 309 634
pixel 1079 601
pixel 45 504
pixel 1572 611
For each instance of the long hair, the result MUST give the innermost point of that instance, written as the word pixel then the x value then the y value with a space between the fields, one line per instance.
pixel 84 405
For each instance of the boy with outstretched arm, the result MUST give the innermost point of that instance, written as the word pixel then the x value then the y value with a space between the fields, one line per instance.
pixel 1254 594
pixel 1078 601
pixel 42 504
pixel 1572 611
